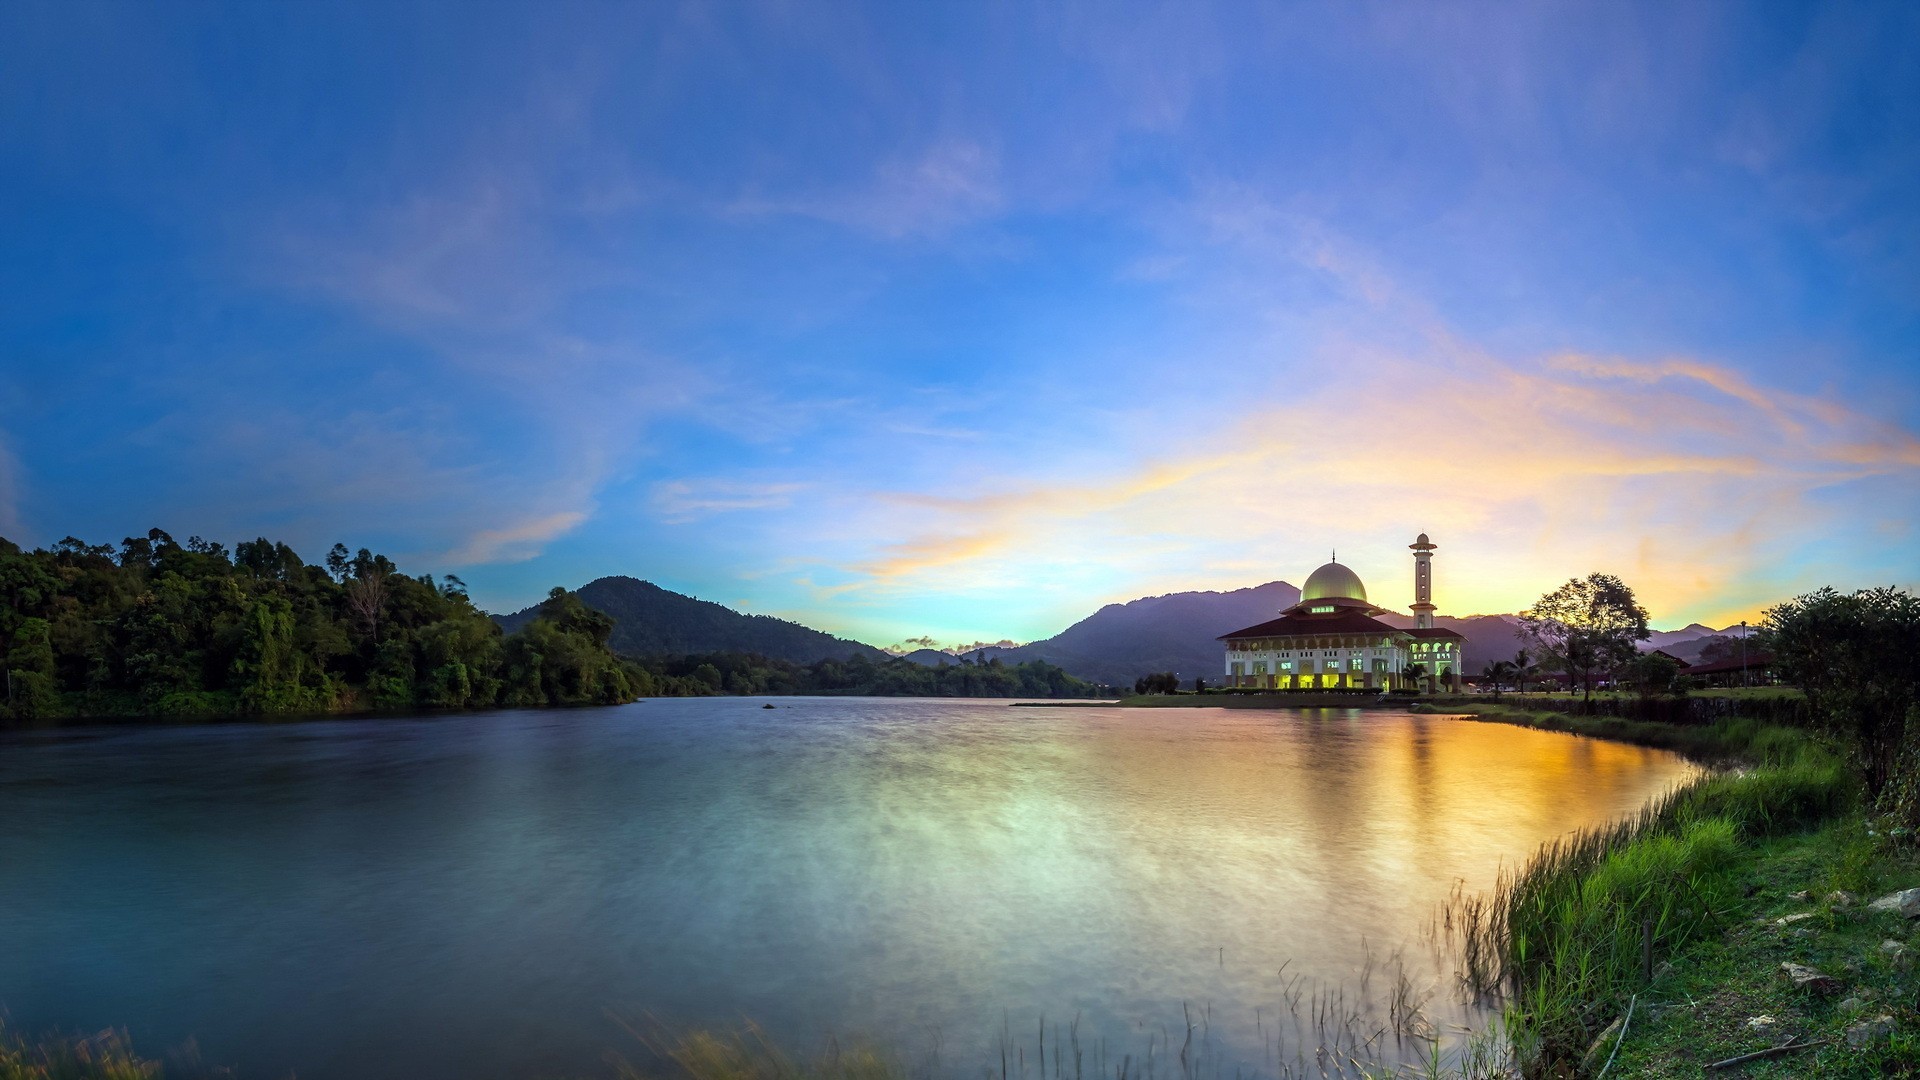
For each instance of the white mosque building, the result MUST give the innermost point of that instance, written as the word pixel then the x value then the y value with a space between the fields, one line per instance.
pixel 1332 640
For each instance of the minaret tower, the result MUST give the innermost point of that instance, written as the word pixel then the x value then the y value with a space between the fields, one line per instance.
pixel 1423 582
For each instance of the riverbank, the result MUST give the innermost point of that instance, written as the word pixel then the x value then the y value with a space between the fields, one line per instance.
pixel 1661 943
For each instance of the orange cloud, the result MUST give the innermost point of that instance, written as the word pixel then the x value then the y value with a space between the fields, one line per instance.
pixel 1683 475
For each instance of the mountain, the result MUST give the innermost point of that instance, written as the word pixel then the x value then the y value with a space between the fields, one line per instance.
pixel 1663 638
pixel 1180 632
pixel 651 621
pixel 1176 632
pixel 931 657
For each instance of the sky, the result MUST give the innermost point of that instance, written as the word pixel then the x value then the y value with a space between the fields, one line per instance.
pixel 959 320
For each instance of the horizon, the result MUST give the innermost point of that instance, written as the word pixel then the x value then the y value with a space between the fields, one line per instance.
pixel 957 323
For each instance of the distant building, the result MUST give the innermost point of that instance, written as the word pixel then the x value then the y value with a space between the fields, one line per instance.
pixel 1331 639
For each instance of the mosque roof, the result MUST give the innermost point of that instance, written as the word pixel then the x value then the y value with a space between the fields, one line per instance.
pixel 1300 624
pixel 1435 632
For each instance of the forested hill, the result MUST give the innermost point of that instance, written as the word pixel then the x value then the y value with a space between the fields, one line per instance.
pixel 651 621
pixel 155 627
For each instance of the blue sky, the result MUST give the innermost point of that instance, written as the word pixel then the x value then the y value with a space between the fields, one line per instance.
pixel 963 319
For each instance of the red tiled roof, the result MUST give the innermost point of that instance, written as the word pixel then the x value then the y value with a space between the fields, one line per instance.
pixel 1340 622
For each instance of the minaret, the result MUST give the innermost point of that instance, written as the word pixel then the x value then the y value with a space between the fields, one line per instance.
pixel 1423 582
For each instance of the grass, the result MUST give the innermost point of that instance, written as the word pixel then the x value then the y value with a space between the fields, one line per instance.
pixel 1659 908
pixel 105 1056
pixel 1700 1008
pixel 1733 739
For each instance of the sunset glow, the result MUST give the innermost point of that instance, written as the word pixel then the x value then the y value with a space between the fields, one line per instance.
pixel 961 321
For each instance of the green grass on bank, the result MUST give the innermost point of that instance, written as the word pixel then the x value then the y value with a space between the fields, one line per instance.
pixel 1688 891
pixel 1730 739
pixel 1725 995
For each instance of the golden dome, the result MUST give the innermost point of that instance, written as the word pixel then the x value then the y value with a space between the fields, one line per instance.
pixel 1333 581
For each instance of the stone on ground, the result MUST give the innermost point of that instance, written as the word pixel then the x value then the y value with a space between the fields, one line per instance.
pixel 1810 978
pixel 1906 902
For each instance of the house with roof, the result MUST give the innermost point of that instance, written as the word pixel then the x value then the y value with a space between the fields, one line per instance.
pixel 1333 640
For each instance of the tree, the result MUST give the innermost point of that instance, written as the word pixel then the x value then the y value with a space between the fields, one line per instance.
pixel 1587 627
pixel 1414 674
pixel 1523 669
pixel 1160 682
pixel 1854 656
pixel 1652 674
pixel 1496 673
pixel 1720 647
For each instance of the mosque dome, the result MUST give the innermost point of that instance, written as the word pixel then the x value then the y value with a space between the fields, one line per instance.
pixel 1333 581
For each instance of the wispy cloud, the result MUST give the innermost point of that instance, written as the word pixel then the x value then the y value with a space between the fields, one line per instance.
pixel 681 502
pixel 517 542
pixel 1684 475
pixel 928 191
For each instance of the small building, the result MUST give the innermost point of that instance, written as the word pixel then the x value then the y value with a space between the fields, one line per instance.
pixel 1332 639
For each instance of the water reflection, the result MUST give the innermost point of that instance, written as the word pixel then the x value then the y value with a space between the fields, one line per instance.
pixel 467 897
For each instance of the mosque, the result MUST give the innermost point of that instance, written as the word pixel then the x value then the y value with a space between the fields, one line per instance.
pixel 1331 639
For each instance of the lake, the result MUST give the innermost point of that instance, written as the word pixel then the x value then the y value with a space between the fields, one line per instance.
pixel 484 896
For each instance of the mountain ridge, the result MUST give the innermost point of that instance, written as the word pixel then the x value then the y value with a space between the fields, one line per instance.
pixel 1116 644
pixel 651 621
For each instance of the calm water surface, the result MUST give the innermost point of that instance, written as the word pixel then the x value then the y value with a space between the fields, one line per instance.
pixel 471 896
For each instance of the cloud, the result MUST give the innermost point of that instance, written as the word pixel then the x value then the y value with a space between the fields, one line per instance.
pixel 515 543
pixel 1684 475
pixel 928 192
pixel 683 501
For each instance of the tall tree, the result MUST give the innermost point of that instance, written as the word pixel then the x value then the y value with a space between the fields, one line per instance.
pixel 1855 656
pixel 1587 627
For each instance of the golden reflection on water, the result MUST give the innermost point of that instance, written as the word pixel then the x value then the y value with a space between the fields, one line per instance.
pixel 1142 859
pixel 309 898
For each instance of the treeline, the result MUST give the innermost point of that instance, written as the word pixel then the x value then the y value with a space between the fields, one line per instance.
pixel 157 628
pixel 746 673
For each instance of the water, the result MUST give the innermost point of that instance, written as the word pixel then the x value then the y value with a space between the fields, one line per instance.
pixel 480 896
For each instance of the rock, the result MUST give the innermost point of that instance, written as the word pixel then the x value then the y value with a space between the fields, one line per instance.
pixel 1852 1004
pixel 1906 902
pixel 1871 1031
pixel 1802 896
pixel 1789 920
pixel 1840 899
pixel 1810 979
pixel 1897 954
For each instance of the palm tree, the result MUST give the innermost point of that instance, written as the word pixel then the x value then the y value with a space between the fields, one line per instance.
pixel 1413 673
pixel 1496 673
pixel 1523 669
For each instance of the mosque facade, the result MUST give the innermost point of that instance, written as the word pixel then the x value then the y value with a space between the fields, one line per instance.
pixel 1333 639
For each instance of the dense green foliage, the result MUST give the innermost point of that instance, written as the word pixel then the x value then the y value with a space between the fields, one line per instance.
pixel 738 673
pixel 1854 655
pixel 159 628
